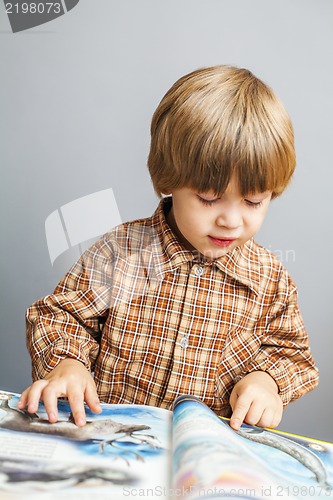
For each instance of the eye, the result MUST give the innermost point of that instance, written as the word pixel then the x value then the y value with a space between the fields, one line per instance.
pixel 206 201
pixel 253 204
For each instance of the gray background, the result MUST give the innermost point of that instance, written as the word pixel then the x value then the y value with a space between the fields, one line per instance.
pixel 76 98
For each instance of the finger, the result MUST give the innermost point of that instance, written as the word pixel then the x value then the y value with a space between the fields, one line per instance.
pixel 32 396
pixel 23 401
pixel 76 402
pixel 233 398
pixel 91 398
pixel 270 418
pixel 256 413
pixel 240 411
pixel 50 400
pixel 266 419
pixel 276 420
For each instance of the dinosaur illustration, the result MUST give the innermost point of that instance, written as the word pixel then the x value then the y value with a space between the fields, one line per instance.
pixel 116 439
pixel 23 476
pixel 303 455
pixel 106 432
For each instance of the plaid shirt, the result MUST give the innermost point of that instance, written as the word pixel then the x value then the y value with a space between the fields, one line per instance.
pixel 153 321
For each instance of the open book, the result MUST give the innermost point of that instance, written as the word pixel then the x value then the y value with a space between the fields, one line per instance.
pixel 133 451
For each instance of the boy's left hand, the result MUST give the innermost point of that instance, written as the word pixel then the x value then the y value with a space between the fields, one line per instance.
pixel 255 401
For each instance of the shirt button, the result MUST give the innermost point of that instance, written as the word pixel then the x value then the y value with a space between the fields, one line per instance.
pixel 184 342
pixel 198 270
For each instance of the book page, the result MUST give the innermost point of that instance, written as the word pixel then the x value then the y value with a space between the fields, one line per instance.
pixel 120 453
pixel 210 460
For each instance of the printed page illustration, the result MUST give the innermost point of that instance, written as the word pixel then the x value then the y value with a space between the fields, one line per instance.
pixel 210 460
pixel 132 451
pixel 120 451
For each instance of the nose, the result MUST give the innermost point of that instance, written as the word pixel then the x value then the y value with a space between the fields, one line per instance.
pixel 229 218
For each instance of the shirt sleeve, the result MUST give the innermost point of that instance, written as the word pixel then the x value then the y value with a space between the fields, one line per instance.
pixel 66 324
pixel 284 350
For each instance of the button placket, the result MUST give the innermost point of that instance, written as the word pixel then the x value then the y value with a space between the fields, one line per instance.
pixel 198 270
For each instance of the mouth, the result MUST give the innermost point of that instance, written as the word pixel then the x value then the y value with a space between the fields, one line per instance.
pixel 221 242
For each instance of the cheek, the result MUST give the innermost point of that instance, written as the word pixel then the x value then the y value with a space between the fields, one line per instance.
pixel 191 224
pixel 258 220
pixel 253 222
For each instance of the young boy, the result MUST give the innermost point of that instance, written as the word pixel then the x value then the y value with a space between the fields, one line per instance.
pixel 185 301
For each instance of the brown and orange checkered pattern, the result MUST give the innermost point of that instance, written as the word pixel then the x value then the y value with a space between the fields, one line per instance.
pixel 153 321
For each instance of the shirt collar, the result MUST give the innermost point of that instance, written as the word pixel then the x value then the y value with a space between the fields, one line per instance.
pixel 242 264
pixel 168 252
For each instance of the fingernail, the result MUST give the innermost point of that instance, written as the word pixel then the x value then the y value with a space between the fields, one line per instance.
pixel 80 422
pixel 52 417
pixel 235 424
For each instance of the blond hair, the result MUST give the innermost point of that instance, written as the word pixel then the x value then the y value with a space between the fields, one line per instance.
pixel 217 121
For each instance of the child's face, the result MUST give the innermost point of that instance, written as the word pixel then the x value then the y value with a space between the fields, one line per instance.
pixel 216 225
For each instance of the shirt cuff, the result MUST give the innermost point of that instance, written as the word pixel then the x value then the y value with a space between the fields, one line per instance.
pixel 62 349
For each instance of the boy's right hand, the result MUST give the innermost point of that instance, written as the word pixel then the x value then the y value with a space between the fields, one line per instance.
pixel 69 379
